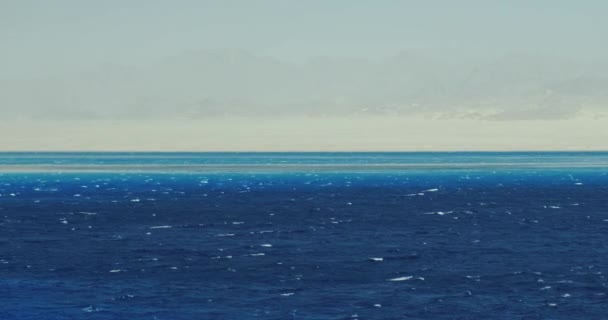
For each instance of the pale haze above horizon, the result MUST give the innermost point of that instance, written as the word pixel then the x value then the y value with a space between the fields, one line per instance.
pixel 303 75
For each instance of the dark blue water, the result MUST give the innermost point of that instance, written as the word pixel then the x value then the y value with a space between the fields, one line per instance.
pixel 500 243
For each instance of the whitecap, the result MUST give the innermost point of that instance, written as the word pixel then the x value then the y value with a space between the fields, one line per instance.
pixel 91 309
pixel 376 259
pixel 401 278
pixel 287 294
pixel 161 227
pixel 439 213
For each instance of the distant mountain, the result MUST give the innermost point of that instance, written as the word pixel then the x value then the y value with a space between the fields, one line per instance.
pixel 238 83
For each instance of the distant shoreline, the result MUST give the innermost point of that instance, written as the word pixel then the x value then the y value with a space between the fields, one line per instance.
pixel 306 134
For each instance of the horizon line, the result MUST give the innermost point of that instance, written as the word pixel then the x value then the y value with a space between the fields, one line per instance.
pixel 311 151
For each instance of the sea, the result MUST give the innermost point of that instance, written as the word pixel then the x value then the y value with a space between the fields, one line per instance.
pixel 460 235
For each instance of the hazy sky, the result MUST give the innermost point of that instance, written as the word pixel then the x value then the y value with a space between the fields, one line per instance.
pixel 49 36
pixel 141 61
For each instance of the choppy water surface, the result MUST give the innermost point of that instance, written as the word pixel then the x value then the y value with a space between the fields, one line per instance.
pixel 304 242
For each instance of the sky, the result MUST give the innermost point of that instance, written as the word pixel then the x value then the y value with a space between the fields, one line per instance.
pixel 71 71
